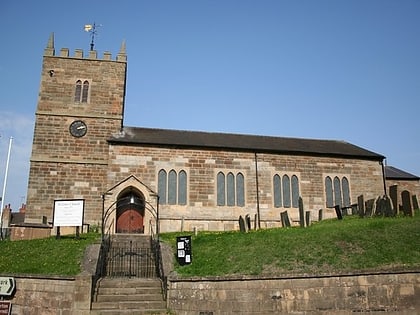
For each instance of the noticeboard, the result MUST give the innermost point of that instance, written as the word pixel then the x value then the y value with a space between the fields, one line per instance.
pixel 68 212
pixel 183 248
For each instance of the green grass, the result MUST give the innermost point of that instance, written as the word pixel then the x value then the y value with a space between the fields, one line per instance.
pixel 47 256
pixel 330 246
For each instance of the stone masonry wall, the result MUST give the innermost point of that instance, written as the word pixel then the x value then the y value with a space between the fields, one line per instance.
pixel 397 293
pixel 202 166
pixel 63 166
pixel 52 296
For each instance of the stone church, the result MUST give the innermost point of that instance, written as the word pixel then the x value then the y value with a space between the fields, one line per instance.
pixel 131 177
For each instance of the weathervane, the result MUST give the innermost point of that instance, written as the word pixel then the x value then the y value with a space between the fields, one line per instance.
pixel 91 28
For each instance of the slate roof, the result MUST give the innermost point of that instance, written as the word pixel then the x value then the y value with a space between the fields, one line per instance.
pixel 395 173
pixel 240 142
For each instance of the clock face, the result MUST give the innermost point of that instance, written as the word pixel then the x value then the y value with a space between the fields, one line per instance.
pixel 78 128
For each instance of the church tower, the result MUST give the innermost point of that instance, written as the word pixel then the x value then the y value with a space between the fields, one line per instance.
pixel 80 106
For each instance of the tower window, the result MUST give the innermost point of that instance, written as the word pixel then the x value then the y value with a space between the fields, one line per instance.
pixel 81 94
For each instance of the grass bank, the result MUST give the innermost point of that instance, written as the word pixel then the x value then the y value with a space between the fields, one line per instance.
pixel 47 256
pixel 330 246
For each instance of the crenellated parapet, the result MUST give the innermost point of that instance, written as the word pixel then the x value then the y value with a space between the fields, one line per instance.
pixel 79 53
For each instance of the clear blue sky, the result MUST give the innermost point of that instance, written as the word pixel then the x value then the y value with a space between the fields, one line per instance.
pixel 337 69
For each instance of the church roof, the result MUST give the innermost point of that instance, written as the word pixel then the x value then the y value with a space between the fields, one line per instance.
pixel 395 173
pixel 240 142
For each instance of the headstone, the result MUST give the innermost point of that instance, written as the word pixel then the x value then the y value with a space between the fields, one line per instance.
pixel 389 208
pixel 393 194
pixel 354 209
pixel 383 207
pixel 256 222
pixel 301 213
pixel 248 222
pixel 308 218
pixel 320 214
pixel 285 221
pixel 361 206
pixel 415 202
pixel 338 212
pixel 406 203
pixel 369 207
pixel 242 224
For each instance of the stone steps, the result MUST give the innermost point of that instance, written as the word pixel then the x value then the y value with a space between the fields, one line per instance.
pixel 128 296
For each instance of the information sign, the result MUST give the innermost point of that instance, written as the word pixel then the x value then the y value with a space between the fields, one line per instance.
pixel 68 212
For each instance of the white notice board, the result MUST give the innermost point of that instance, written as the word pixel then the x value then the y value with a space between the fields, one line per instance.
pixel 69 212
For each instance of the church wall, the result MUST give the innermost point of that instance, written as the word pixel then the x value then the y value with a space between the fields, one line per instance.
pixel 202 166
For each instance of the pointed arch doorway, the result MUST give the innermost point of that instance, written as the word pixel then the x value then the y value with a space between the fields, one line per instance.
pixel 130 212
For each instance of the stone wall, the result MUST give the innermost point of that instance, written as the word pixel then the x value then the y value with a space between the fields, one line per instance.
pixel 201 166
pixel 394 293
pixel 52 295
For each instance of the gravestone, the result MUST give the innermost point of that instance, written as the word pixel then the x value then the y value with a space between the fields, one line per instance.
pixel 415 202
pixel 308 218
pixel 248 222
pixel 320 214
pixel 242 224
pixel 354 209
pixel 338 212
pixel 285 221
pixel 393 194
pixel 369 207
pixel 406 203
pixel 383 207
pixel 361 206
pixel 301 213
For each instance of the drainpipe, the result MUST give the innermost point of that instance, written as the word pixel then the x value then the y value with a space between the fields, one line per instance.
pixel 258 191
pixel 383 176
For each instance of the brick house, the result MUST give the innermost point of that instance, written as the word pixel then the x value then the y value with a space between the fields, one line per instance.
pixel 127 176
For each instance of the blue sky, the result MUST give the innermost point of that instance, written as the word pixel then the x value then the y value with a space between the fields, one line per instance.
pixel 337 69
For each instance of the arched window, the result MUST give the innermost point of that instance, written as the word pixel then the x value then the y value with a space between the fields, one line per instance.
pixel 162 187
pixel 78 91
pixel 277 191
pixel 329 192
pixel 295 192
pixel 172 187
pixel 81 93
pixel 286 191
pixel 182 188
pixel 85 92
pixel 240 190
pixel 230 180
pixel 346 192
pixel 230 189
pixel 337 192
pixel 221 197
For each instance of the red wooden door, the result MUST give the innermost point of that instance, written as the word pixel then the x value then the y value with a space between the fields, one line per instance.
pixel 130 221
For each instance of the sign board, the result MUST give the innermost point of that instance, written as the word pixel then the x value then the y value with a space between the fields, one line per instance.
pixel 183 246
pixel 69 212
pixel 7 286
pixel 5 308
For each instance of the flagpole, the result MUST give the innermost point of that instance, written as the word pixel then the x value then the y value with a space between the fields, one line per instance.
pixel 4 186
